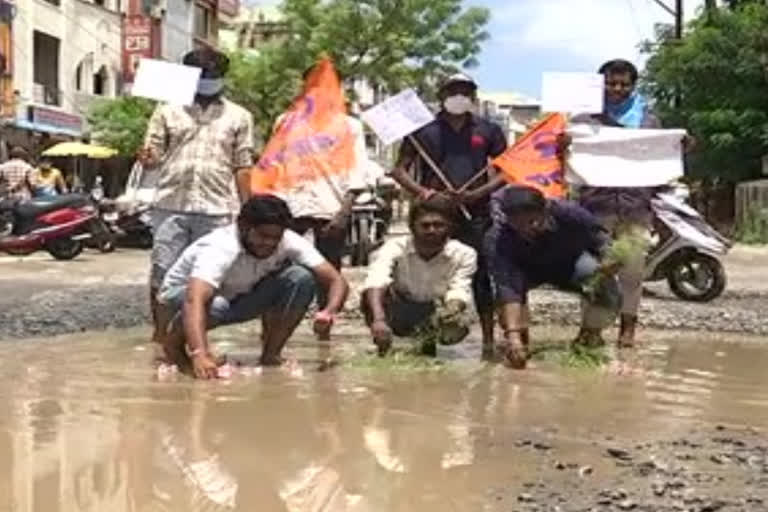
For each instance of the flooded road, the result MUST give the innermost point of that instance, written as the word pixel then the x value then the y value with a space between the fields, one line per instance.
pixel 86 426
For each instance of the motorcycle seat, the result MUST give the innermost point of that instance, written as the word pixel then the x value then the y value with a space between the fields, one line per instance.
pixel 40 206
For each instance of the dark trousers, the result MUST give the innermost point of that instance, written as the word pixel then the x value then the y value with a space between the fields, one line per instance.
pixel 472 233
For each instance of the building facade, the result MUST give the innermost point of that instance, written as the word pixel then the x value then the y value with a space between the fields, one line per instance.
pixel 64 54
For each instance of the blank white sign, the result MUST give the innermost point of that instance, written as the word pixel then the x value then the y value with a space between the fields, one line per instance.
pixel 165 81
pixel 572 93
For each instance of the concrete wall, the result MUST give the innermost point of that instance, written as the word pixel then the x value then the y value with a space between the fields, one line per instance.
pixel 87 33
pixel 177 29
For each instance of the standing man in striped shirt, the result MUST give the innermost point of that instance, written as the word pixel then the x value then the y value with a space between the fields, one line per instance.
pixel 204 153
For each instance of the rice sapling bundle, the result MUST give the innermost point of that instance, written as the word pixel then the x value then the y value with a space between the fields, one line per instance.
pixel 443 327
pixel 621 251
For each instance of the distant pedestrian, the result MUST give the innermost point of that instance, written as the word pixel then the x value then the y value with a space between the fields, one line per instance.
pixel 204 153
pixel 15 175
pixel 47 181
pixel 462 145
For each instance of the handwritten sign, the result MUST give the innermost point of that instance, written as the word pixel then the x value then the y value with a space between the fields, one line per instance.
pixel 398 116
pixel 620 157
pixel 573 93
pixel 165 81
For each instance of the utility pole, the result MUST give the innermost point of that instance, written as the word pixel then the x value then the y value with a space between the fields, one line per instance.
pixel 677 13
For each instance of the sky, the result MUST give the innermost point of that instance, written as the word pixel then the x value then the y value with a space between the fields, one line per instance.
pixel 529 37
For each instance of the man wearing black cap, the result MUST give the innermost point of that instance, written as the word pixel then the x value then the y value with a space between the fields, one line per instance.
pixel 461 144
pixel 204 152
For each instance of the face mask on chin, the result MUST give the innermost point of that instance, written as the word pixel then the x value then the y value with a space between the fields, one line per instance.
pixel 210 86
pixel 458 104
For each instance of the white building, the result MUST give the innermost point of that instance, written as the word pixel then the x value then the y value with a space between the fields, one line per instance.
pixel 65 54
pixel 512 110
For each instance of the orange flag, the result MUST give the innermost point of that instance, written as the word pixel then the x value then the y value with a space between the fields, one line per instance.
pixel 313 140
pixel 533 160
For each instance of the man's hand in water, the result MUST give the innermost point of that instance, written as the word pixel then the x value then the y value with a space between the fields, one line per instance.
pixel 513 350
pixel 322 326
pixel 451 312
pixel 204 366
pixel 382 335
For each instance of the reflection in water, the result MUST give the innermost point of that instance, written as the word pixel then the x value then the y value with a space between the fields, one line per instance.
pixel 84 427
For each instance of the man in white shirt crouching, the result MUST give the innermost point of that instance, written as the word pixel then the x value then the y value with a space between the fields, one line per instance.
pixel 254 268
pixel 417 281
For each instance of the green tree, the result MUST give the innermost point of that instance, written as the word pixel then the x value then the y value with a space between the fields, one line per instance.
pixel 262 83
pixel 120 123
pixel 391 44
pixel 715 84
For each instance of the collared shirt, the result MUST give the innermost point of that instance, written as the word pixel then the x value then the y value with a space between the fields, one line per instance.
pixel 220 260
pixel 459 154
pixel 200 152
pixel 321 198
pixel 447 276
pixel 14 179
pixel 518 264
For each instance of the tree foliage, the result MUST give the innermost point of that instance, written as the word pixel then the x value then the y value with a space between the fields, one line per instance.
pixel 388 43
pixel 120 123
pixel 715 84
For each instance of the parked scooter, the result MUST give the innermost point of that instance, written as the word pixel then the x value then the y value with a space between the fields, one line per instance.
pixel 371 217
pixel 58 225
pixel 687 251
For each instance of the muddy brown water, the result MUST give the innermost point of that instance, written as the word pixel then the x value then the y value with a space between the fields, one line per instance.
pixel 86 426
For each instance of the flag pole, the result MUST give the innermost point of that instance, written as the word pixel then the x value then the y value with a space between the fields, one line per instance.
pixel 438 172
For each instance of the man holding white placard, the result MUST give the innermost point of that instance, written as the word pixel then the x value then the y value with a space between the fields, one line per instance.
pixel 204 152
pixel 461 145
pixel 624 211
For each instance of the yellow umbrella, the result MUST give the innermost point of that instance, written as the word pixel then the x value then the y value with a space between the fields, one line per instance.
pixel 79 149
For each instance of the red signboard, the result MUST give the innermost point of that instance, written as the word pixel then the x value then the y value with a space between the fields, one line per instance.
pixel 229 7
pixel 137 43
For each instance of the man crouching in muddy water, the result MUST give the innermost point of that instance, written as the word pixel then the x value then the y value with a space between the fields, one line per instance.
pixel 254 268
pixel 535 241
pixel 421 282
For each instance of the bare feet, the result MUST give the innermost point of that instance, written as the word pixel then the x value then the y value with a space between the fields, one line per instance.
pixel 589 338
pixel 627 331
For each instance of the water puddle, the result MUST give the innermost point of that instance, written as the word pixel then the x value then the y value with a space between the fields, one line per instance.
pixel 86 426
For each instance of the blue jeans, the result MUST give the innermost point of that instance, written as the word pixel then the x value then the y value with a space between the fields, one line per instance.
pixel 289 290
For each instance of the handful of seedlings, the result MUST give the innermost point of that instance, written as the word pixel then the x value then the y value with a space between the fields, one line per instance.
pixel 621 251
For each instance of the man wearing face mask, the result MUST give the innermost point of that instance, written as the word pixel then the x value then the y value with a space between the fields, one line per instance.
pixel 203 152
pixel 537 241
pixel 461 144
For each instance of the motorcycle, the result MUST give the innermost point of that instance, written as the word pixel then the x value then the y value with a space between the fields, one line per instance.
pixel 686 251
pixel 130 226
pixel 371 217
pixel 58 225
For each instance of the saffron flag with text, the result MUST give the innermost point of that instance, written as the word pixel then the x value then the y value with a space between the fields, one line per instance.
pixel 312 140
pixel 534 160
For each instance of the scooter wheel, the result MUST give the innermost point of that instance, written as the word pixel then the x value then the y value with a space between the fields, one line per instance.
pixel 64 248
pixel 697 278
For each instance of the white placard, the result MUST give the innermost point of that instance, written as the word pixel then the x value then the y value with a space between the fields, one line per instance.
pixel 398 116
pixel 165 81
pixel 621 157
pixel 572 93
